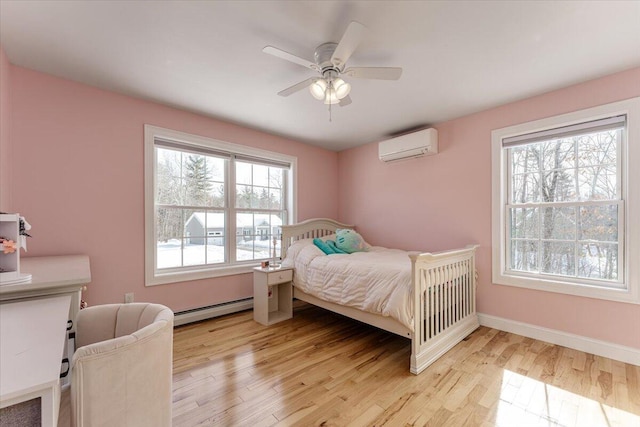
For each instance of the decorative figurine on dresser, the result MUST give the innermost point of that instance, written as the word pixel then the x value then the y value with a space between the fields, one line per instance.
pixel 13 237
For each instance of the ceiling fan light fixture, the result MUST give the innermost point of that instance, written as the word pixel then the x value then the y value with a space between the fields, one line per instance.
pixel 331 96
pixel 342 88
pixel 318 88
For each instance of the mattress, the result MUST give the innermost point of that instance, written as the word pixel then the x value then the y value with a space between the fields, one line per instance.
pixel 377 281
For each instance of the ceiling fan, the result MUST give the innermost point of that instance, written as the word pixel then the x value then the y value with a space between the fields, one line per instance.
pixel 330 60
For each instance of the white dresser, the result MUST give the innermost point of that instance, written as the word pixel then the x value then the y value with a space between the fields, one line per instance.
pixel 33 335
pixel 51 275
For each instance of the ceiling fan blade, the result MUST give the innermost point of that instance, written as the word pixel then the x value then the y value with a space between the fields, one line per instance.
pixel 296 87
pixel 350 40
pixel 345 101
pixel 290 57
pixel 379 73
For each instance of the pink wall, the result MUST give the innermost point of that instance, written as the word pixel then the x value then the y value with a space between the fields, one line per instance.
pixel 444 201
pixel 79 181
pixel 5 124
pixel 78 178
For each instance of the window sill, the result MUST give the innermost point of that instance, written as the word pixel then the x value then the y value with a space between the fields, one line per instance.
pixel 568 288
pixel 205 273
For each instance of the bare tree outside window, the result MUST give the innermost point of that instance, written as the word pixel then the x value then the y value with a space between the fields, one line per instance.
pixel 259 209
pixel 192 219
pixel 185 180
pixel 564 204
pixel 188 185
pixel 212 208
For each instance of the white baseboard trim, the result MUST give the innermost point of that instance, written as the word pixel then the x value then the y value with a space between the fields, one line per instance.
pixel 204 313
pixel 588 345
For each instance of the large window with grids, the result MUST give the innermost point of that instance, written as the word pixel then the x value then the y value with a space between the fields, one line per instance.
pixel 212 208
pixel 562 200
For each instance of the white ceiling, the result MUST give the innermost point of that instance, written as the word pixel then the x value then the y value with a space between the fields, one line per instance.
pixel 458 57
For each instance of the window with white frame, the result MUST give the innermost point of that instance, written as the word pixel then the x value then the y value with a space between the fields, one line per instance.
pixel 563 199
pixel 212 208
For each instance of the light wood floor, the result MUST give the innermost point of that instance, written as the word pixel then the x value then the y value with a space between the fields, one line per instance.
pixel 321 369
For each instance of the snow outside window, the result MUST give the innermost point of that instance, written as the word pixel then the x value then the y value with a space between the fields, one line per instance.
pixel 563 201
pixel 212 208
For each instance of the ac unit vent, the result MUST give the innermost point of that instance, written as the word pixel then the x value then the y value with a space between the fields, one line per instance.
pixel 411 145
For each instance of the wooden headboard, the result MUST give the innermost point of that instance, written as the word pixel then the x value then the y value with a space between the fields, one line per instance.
pixel 309 229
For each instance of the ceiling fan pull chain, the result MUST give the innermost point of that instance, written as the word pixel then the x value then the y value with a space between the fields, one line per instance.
pixel 329 87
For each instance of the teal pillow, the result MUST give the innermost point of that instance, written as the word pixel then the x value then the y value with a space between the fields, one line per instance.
pixel 350 241
pixel 323 246
pixel 326 247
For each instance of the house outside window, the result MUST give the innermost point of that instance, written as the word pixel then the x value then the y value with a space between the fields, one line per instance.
pixel 212 208
pixel 564 198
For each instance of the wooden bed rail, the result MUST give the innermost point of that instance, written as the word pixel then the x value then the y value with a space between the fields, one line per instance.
pixel 445 311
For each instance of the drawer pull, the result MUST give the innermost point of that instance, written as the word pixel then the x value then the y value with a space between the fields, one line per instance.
pixel 66 372
pixel 279 277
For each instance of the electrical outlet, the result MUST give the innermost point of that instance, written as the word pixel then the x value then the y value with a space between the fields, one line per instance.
pixel 128 298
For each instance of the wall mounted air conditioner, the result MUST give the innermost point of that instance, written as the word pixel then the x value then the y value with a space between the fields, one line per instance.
pixel 415 144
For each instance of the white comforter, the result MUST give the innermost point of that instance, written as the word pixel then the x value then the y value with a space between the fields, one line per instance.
pixel 377 281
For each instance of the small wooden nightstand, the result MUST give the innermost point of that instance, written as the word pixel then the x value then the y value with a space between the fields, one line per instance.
pixel 272 294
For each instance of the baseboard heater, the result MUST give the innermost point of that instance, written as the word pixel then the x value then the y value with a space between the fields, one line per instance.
pixel 208 312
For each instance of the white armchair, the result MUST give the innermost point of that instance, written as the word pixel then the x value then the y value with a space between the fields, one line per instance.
pixel 121 372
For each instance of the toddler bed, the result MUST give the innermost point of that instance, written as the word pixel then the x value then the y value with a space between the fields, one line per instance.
pixel 426 297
